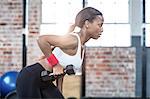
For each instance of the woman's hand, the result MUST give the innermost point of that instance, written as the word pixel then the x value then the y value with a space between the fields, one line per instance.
pixel 58 69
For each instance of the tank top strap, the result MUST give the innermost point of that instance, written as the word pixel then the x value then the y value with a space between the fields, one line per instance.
pixel 79 47
pixel 83 52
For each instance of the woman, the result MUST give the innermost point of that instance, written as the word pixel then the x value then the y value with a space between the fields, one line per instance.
pixel 68 50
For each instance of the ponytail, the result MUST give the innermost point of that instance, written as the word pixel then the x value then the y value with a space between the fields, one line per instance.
pixel 71 28
pixel 74 28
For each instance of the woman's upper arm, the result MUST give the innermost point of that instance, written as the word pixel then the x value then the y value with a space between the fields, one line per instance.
pixel 65 41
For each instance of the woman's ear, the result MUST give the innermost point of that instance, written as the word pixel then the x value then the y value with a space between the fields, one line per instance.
pixel 86 23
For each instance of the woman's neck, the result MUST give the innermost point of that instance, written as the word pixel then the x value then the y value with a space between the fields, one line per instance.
pixel 83 37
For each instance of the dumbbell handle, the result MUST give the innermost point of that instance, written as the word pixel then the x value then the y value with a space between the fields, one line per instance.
pixel 51 77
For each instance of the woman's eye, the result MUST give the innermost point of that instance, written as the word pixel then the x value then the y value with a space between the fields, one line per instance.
pixel 100 25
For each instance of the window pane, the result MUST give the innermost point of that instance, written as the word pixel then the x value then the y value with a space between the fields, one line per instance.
pixel 74 6
pixel 59 13
pixel 122 35
pixel 113 35
pixel 27 11
pixel 53 29
pixel 147 35
pixel 147 11
pixel 48 11
pixel 67 9
pixel 115 11
pixel 47 29
pixel 147 21
pixel 55 11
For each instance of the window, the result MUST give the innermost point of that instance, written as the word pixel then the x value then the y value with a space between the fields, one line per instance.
pixel 57 15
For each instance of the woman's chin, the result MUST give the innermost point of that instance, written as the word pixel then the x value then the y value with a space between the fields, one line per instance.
pixel 97 37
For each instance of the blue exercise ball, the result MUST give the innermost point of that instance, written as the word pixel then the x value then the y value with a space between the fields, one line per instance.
pixel 8 82
pixel 0 88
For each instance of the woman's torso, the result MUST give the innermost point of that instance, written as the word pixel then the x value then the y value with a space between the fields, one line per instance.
pixel 66 59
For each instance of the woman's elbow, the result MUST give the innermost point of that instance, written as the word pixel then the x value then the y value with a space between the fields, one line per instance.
pixel 41 39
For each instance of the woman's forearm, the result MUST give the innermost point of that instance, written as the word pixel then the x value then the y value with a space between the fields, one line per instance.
pixel 59 83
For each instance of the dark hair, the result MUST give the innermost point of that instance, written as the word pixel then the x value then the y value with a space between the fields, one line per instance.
pixel 88 13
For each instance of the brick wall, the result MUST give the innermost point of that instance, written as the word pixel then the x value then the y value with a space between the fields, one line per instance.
pixel 11 22
pixel 34 20
pixel 10 35
pixel 110 72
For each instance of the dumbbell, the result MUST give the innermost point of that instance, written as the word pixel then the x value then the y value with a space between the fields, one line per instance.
pixel 49 76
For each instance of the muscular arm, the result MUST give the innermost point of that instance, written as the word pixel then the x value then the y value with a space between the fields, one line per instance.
pixel 65 42
pixel 46 41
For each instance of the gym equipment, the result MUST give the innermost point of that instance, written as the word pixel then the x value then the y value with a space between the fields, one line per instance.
pixel 49 76
pixel 0 87
pixel 8 82
pixel 11 95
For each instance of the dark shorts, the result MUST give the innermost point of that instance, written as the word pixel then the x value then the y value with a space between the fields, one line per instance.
pixel 29 85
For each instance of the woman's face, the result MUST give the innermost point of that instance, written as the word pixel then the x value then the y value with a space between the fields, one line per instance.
pixel 95 28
